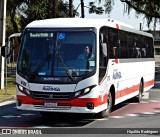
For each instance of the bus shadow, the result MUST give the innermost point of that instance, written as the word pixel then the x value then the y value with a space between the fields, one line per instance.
pixel 76 120
pixel 70 119
pixel 63 120
pixel 123 104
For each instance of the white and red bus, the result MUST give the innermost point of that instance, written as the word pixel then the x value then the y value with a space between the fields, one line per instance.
pixel 51 78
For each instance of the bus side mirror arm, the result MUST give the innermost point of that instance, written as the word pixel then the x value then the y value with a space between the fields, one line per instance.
pixel 4 52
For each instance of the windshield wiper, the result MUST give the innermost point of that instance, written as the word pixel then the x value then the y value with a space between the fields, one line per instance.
pixel 64 66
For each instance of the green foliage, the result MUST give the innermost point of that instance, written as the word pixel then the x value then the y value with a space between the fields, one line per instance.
pixel 22 12
pixel 12 16
pixel 107 7
pixel 95 9
pixel 149 8
pixel 11 89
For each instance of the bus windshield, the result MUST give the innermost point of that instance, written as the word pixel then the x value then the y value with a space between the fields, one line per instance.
pixel 49 53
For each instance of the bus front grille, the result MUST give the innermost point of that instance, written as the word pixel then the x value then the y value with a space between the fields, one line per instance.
pixel 51 95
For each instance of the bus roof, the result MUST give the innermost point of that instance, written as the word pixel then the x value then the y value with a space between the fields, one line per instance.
pixel 83 22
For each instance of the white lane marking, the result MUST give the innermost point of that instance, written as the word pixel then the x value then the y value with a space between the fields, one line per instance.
pixel 144 102
pixel 9 116
pixel 28 114
pixel 132 115
pixel 101 119
pixel 148 113
pixel 154 101
pixel 117 117
pixel 134 103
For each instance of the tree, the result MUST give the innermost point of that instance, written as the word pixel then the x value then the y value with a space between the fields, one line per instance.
pixel 82 9
pixel 43 9
pixel 149 8
pixel 70 8
pixel 95 9
pixel 22 12
pixel 108 5
pixel 12 13
pixel 54 8
pixel 92 8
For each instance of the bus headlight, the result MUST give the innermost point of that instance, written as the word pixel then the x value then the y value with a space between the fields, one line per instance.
pixel 77 94
pixel 20 88
pixel 23 89
pixel 83 91
pixel 87 90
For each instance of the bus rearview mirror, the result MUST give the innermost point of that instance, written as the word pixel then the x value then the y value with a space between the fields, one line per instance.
pixel 5 52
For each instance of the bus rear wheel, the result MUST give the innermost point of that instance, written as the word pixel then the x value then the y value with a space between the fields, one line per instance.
pixel 139 97
pixel 105 113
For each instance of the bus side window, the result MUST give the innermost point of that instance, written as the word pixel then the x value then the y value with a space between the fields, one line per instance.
pixel 103 53
pixel 143 52
pixel 138 53
pixel 123 44
pixel 150 49
pixel 113 43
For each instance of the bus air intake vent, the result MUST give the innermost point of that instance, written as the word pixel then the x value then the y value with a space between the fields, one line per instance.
pixel 51 95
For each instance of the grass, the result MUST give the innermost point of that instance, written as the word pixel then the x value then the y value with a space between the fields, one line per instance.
pixel 12 64
pixel 11 89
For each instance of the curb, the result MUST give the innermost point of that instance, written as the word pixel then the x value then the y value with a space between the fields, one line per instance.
pixel 7 101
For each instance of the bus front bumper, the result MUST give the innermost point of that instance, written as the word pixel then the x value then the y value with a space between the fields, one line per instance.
pixel 78 105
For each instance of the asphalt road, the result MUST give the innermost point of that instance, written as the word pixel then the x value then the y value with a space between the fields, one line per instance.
pixel 124 117
pixel 150 106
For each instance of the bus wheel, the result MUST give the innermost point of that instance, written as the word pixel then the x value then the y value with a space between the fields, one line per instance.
pixel 139 97
pixel 105 113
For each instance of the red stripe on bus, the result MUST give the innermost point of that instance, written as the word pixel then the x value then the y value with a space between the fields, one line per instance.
pixel 116 61
pixel 126 91
pixel 117 26
pixel 130 90
pixel 77 102
pixel 81 102
pixel 149 83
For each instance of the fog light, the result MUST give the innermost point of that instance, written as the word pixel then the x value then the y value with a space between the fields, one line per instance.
pixel 90 105
pixel 19 103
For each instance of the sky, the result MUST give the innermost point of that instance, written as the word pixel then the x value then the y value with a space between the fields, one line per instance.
pixel 117 14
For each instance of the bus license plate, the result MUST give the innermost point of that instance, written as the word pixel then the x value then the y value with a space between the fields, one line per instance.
pixel 50 104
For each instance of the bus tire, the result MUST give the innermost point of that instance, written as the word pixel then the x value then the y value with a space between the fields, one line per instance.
pixel 139 97
pixel 106 112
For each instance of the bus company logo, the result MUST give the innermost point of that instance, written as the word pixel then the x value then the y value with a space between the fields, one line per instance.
pixel 50 88
pixel 51 96
pixel 116 74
